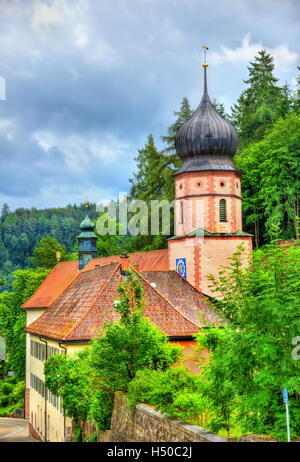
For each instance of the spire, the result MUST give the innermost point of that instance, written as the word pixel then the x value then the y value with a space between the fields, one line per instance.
pixel 204 65
pixel 206 141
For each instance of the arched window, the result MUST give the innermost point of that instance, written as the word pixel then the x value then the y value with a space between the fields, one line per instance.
pixel 222 210
pixel 180 212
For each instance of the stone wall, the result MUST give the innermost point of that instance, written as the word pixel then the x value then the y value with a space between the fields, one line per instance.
pixel 146 424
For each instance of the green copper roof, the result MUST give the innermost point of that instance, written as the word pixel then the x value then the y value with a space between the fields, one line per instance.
pixel 87 234
pixel 87 223
pixel 203 233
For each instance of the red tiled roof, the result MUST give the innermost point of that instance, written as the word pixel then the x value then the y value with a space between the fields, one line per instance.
pixel 79 313
pixel 65 272
pixel 186 298
pixel 154 260
pixel 54 284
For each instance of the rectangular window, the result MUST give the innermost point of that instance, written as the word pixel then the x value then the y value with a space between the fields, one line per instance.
pixel 87 245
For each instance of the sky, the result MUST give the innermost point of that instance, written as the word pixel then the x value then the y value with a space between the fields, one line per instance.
pixel 87 81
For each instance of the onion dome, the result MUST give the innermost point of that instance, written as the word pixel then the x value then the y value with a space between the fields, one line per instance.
pixel 87 224
pixel 206 141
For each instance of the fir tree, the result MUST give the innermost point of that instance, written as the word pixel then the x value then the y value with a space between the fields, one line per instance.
pixel 148 182
pixel 184 114
pixel 262 103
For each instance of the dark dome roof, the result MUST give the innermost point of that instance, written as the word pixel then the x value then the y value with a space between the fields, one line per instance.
pixel 206 141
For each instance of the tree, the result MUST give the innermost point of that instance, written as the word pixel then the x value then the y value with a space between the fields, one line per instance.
pixel 45 256
pixel 132 343
pixel 262 103
pixel 4 212
pixel 3 253
pixel 13 319
pixel 220 108
pixel 183 115
pixel 69 378
pixel 148 182
pixel 253 355
pixel 271 171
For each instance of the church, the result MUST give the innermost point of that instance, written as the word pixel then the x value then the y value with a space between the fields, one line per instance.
pixel 77 297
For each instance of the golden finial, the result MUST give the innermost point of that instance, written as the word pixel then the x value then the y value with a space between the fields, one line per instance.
pixel 86 202
pixel 205 49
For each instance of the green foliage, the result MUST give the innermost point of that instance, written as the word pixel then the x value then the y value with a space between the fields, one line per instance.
pixel 271 171
pixel 77 434
pixel 11 395
pixel 262 103
pixel 251 358
pixel 132 343
pixel 259 107
pixel 69 377
pixel 101 405
pixel 182 116
pixel 22 230
pixel 93 438
pixel 13 319
pixel 108 244
pixel 45 256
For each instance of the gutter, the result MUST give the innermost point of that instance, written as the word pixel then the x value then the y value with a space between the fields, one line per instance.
pixel 63 348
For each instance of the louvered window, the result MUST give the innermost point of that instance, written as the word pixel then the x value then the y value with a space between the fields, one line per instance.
pixel 222 207
pixel 180 212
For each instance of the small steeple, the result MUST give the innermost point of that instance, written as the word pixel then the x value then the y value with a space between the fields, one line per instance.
pixel 206 141
pixel 87 242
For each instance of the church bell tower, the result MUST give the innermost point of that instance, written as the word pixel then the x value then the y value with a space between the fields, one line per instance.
pixel 87 242
pixel 208 209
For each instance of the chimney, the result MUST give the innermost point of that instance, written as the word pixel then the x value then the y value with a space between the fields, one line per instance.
pixel 124 263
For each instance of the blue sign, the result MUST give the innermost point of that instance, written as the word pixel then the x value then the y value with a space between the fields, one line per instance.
pixel 181 267
pixel 285 396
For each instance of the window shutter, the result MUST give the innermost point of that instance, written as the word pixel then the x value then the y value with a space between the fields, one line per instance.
pixel 222 209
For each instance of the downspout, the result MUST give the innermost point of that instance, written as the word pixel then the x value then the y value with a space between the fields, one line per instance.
pixel 46 393
pixel 63 348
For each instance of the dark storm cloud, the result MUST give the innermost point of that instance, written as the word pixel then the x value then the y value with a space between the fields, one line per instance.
pixel 88 81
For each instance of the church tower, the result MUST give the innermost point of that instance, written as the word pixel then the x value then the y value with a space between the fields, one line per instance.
pixel 208 209
pixel 87 242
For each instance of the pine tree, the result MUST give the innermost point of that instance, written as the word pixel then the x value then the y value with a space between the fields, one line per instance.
pixel 184 114
pixel 262 103
pixel 147 183
pixel 220 108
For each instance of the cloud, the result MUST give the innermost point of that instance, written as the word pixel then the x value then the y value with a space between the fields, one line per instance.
pixel 246 52
pixel 81 151
pixel 87 82
pixel 47 16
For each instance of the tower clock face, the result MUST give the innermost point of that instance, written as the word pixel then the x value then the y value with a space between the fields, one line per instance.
pixel 181 267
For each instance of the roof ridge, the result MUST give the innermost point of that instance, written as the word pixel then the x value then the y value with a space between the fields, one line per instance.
pixel 164 298
pixel 147 251
pixel 83 270
pixel 44 281
pixel 92 304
